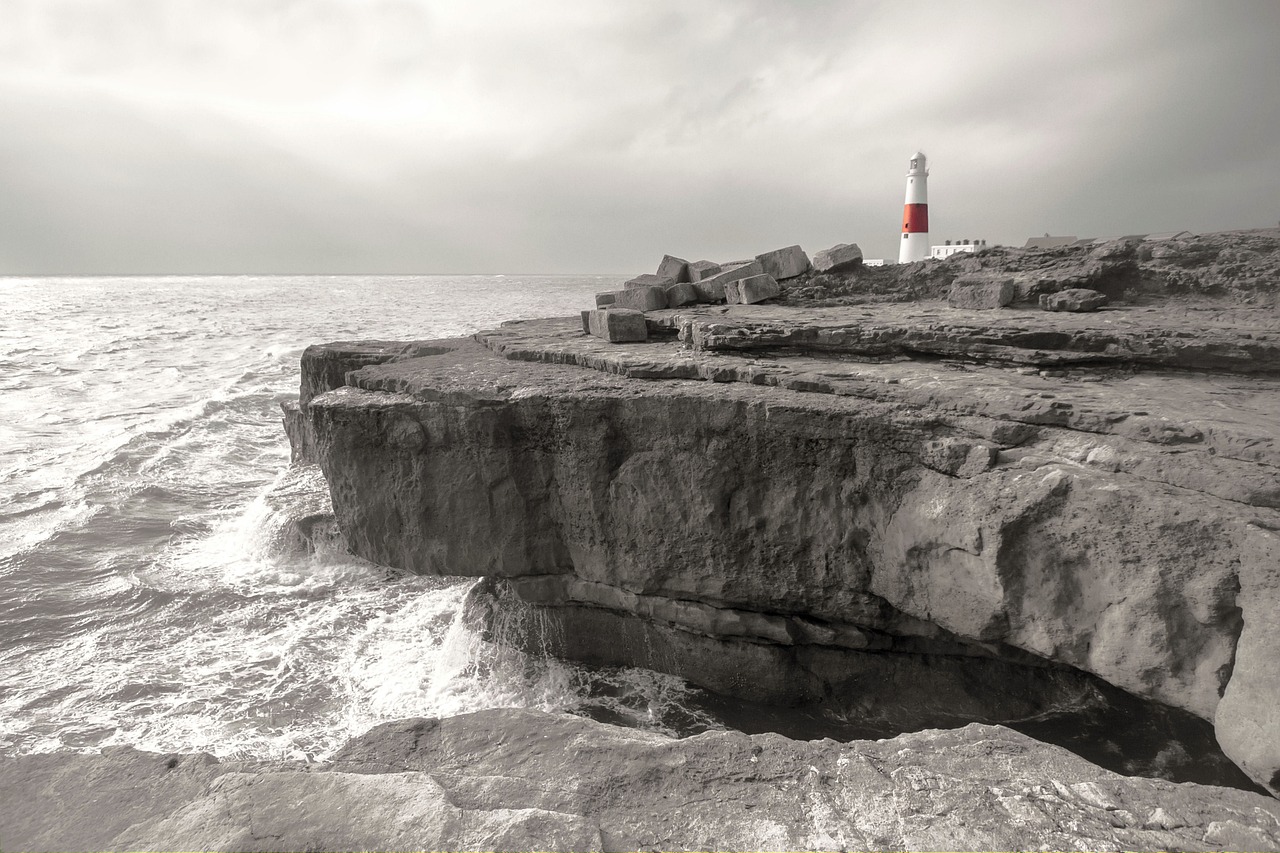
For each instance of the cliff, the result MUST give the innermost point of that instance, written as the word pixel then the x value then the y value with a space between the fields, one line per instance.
pixel 524 780
pixel 907 513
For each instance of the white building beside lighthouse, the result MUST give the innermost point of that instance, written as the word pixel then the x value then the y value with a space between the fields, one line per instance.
pixel 915 213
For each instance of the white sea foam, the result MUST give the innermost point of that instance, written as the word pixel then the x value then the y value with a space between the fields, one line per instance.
pixel 152 594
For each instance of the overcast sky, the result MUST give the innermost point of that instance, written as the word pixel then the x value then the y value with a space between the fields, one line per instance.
pixel 152 136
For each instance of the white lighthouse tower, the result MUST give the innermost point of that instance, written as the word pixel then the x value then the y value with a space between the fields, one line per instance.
pixel 915 214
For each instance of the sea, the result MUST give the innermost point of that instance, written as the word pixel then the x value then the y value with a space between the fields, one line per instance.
pixel 144 598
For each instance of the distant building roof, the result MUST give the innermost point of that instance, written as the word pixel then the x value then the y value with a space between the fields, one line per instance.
pixel 1047 242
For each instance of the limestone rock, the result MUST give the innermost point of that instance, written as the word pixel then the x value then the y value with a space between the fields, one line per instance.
pixel 516 779
pixel 638 298
pixel 618 325
pixel 712 288
pixel 784 263
pixel 1248 718
pixel 746 291
pixel 955 512
pixel 980 292
pixel 679 295
pixel 840 257
pixel 1075 299
pixel 698 270
pixel 673 269
pixel 648 280
pixel 604 300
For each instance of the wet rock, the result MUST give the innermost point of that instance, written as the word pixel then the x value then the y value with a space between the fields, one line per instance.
pixel 972 291
pixel 1075 299
pixel 618 325
pixel 784 263
pixel 838 258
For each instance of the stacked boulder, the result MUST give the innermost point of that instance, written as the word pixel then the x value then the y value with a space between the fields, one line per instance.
pixel 619 314
pixel 839 258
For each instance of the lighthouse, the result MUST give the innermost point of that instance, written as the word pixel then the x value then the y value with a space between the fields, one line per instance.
pixel 915 213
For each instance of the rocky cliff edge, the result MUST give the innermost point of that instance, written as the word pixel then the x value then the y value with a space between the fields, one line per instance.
pixel 906 510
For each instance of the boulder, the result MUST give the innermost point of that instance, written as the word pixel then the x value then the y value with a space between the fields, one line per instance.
pixel 747 291
pixel 698 270
pixel 839 258
pixel 603 300
pixel 618 325
pixel 976 291
pixel 648 280
pixel 711 288
pixel 681 294
pixel 586 321
pixel 1076 299
pixel 785 263
pixel 651 298
pixel 673 269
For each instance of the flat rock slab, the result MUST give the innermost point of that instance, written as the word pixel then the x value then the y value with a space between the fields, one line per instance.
pixel 1226 417
pixel 519 779
pixel 1232 341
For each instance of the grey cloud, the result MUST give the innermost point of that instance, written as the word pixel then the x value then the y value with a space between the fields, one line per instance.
pixel 595 136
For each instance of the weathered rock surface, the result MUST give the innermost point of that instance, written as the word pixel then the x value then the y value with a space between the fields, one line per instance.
pixel 981 292
pixel 1241 267
pixel 525 780
pixel 1017 508
pixel 840 257
pixel 1073 299
pixel 1196 337
pixel 698 270
pixel 648 280
pixel 679 295
pixel 748 291
pixel 642 297
pixel 784 263
pixel 953 511
pixel 711 287
pixel 617 325
pixel 673 269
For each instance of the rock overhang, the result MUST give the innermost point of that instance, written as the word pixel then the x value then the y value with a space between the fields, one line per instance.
pixel 933 418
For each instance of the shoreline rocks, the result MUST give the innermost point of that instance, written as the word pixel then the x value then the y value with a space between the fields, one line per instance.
pixel 517 779
pixel 837 483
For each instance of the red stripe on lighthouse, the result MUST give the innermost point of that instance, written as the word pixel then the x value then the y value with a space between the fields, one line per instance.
pixel 915 219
